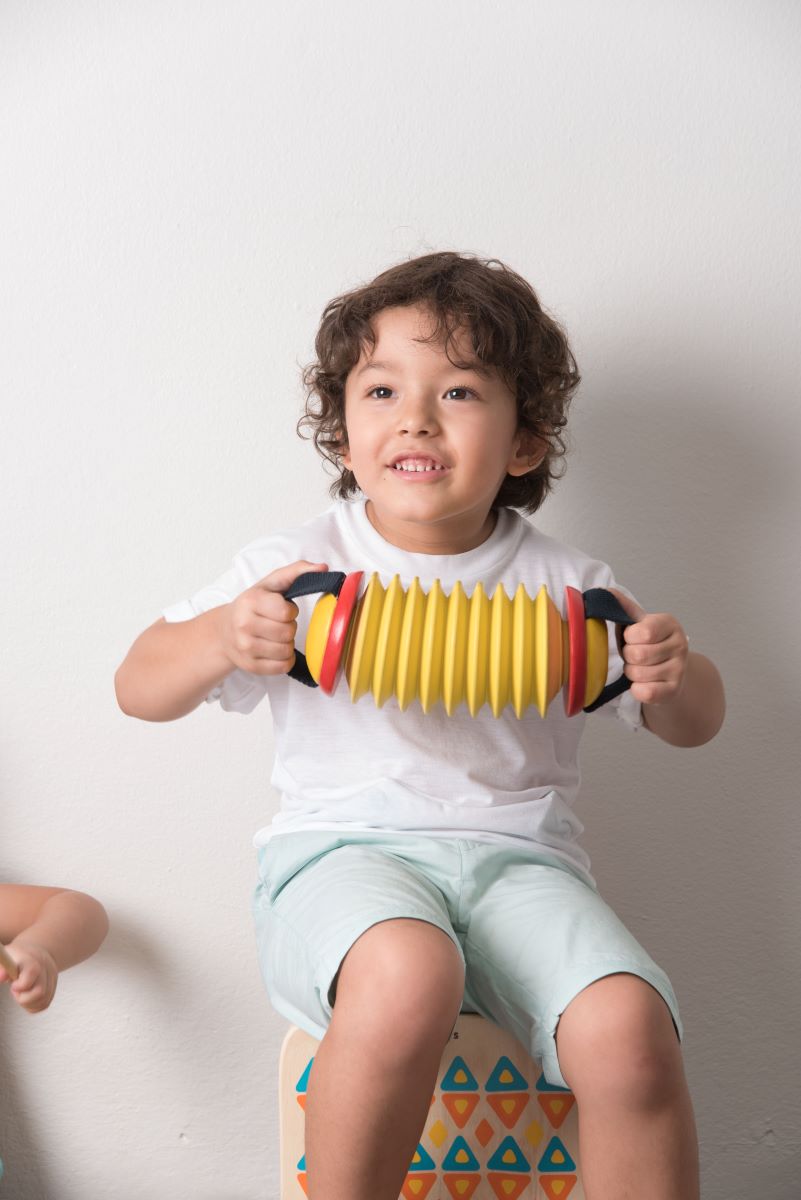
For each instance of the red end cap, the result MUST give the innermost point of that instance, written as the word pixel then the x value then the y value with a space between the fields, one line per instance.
pixel 332 655
pixel 577 646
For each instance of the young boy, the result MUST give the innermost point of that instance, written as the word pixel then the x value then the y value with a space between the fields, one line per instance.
pixel 425 863
pixel 47 930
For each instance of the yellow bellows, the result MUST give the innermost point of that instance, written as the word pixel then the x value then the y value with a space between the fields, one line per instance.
pixel 478 649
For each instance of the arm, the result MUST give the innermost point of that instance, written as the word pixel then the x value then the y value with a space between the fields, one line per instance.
pixel 681 693
pixel 172 666
pixel 695 714
pixel 47 930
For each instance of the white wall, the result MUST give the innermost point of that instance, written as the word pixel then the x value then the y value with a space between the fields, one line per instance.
pixel 183 188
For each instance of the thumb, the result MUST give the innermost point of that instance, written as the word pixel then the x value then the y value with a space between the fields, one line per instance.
pixel 281 579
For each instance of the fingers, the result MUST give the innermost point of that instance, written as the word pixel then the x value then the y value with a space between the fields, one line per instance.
pixel 258 656
pixel 656 685
pixel 33 990
pixel 656 671
pixel 647 654
pixel 29 973
pixel 653 672
pixel 35 999
pixel 655 652
pixel 263 637
pixel 265 622
pixel 262 625
pixel 652 627
pixel 654 693
pixel 265 652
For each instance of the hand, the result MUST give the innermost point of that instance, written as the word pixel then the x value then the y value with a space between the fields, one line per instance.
pixel 655 651
pixel 257 630
pixel 35 986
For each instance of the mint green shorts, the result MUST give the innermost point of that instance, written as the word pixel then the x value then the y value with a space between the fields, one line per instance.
pixel 530 931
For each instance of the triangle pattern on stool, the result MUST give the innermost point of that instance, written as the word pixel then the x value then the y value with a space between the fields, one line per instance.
pixel 509 1187
pixel 509 1157
pixel 508 1106
pixel 460 1106
pixel 556 1157
pixel 505 1077
pixel 417 1187
pixel 558 1187
pixel 422 1161
pixel 460 1157
pixel 556 1108
pixel 459 1077
pixel 461 1187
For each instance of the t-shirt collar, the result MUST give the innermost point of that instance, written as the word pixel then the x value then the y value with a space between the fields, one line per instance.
pixel 480 562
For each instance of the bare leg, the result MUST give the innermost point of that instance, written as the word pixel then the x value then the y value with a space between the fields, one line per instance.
pixel 619 1052
pixel 374 1073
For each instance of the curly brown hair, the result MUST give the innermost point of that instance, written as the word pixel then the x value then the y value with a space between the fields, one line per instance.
pixel 509 329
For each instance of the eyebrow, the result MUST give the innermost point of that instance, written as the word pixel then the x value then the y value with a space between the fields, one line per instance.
pixel 374 365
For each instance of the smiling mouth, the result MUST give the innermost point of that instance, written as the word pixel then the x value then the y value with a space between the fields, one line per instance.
pixel 429 469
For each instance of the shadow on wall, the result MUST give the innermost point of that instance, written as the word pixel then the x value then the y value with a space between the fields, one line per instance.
pixel 694 848
pixel 697 501
pixel 26 1170
pixel 29 1170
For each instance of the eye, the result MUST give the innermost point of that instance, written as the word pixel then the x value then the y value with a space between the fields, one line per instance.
pixel 380 387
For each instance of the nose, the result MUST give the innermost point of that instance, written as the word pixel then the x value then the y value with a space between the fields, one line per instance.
pixel 417 415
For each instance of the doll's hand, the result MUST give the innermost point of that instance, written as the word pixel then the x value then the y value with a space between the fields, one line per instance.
pixel 34 987
pixel 655 650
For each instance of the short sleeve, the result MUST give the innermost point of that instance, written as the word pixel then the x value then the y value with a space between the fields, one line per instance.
pixel 240 691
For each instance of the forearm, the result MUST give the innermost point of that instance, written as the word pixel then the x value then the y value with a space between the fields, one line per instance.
pixel 70 926
pixel 171 668
pixel 695 715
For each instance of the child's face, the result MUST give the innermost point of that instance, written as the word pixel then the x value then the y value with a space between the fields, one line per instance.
pixel 418 405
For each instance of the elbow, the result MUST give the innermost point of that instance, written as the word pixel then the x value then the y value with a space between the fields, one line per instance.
pixel 87 915
pixel 119 692
pixel 700 739
pixel 97 917
pixel 688 734
pixel 125 700
pixel 131 708
pixel 716 713
pixel 123 708
pixel 720 717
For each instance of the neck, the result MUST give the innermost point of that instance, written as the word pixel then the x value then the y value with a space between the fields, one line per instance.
pixel 442 538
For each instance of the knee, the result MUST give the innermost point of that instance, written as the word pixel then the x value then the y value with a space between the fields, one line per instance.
pixel 616 1041
pixel 401 985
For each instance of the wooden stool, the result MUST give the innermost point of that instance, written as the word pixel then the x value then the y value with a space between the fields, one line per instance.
pixel 495 1130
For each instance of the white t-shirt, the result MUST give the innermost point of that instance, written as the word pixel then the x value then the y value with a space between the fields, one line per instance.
pixel 355 766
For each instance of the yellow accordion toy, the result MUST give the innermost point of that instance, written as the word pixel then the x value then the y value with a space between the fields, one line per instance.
pixel 477 649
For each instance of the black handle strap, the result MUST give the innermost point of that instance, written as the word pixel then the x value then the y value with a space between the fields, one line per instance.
pixel 598 602
pixel 308 584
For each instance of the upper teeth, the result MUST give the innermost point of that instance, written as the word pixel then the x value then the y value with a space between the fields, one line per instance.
pixel 406 465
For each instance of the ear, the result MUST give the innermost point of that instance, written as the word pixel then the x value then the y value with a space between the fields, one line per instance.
pixel 528 452
pixel 342 450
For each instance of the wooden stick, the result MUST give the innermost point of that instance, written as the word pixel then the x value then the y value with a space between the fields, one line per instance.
pixel 8 963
